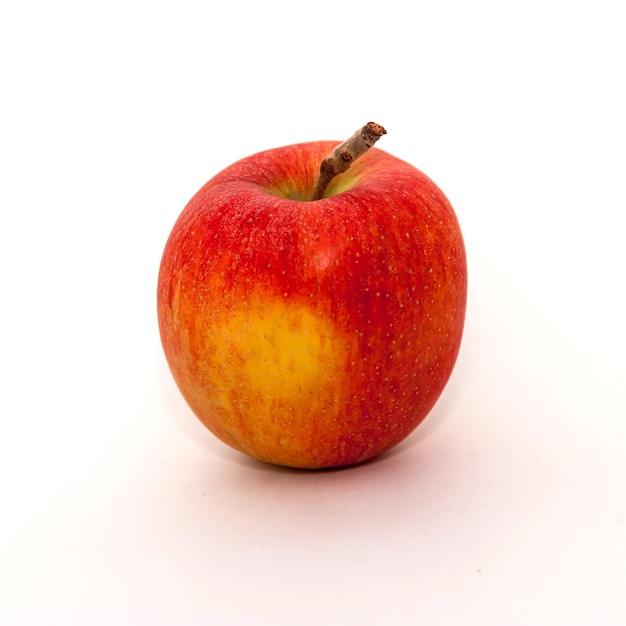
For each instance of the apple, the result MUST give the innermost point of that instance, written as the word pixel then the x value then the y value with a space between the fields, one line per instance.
pixel 313 333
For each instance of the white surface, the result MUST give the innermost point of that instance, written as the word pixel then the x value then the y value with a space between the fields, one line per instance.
pixel 508 506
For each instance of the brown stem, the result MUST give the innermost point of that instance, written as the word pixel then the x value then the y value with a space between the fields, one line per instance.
pixel 342 157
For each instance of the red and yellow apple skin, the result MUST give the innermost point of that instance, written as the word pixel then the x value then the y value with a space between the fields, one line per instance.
pixel 313 334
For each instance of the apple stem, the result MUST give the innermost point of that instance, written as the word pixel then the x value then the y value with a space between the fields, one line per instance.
pixel 342 157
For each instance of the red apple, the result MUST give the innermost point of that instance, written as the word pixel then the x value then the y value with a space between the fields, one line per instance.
pixel 313 334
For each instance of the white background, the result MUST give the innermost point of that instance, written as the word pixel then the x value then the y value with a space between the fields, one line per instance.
pixel 507 506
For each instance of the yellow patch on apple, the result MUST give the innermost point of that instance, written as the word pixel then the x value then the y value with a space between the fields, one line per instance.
pixel 284 349
pixel 276 372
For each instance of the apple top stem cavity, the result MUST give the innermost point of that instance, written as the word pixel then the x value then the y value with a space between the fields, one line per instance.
pixel 342 157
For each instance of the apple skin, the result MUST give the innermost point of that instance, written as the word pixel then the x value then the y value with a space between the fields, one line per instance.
pixel 313 334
